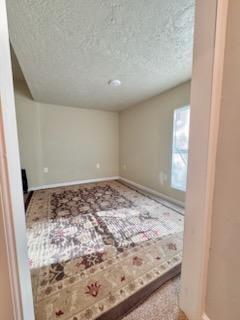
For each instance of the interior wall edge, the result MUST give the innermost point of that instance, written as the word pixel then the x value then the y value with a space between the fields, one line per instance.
pixel 156 96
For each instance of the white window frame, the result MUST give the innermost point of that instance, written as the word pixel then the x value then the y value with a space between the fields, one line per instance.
pixel 177 187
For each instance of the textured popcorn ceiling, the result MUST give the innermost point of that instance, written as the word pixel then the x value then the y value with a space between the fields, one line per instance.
pixel 69 50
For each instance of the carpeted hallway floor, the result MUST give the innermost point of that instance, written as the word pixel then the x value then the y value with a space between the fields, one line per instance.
pixel 161 305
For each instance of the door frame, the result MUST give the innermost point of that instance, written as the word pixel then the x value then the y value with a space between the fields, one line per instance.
pixel 7 293
pixel 12 210
pixel 207 78
pixel 210 28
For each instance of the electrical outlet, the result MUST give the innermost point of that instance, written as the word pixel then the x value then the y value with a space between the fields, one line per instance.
pixel 98 165
pixel 45 170
pixel 163 177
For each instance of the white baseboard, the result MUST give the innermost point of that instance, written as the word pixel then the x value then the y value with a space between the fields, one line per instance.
pixel 159 194
pixel 139 186
pixel 72 183
pixel 205 317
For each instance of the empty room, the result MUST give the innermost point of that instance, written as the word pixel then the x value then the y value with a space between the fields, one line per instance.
pixel 102 94
pixel 110 131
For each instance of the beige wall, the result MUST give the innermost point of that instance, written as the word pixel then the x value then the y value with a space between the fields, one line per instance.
pixel 223 290
pixel 146 140
pixel 69 141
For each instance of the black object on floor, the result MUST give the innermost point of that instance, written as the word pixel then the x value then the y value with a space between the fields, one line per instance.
pixel 24 181
pixel 27 198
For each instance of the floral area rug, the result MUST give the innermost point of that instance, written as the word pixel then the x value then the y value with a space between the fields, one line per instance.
pixel 97 250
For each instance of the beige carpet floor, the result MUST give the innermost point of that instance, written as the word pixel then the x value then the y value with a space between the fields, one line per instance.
pixel 161 305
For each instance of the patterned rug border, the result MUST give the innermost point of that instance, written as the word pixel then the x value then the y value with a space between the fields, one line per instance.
pixel 125 307
pixel 86 274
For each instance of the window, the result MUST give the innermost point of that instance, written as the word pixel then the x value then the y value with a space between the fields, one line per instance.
pixel 180 148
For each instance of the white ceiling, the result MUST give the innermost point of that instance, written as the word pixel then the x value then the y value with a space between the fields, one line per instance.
pixel 69 50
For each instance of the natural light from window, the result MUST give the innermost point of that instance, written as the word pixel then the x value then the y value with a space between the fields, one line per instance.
pixel 180 148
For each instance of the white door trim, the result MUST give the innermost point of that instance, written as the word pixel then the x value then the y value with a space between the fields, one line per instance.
pixel 8 268
pixel 11 185
pixel 205 317
pixel 206 94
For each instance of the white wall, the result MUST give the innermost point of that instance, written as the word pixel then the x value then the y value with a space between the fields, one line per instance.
pixel 68 141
